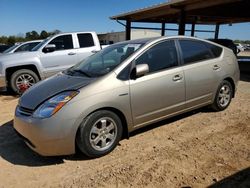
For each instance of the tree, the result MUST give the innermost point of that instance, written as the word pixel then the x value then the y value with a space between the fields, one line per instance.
pixel 44 34
pixel 33 35
pixel 11 40
pixel 55 32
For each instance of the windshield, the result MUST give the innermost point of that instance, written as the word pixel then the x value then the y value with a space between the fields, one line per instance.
pixel 37 47
pixel 104 61
pixel 10 49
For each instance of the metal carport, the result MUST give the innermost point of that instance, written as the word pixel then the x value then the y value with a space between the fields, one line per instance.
pixel 182 12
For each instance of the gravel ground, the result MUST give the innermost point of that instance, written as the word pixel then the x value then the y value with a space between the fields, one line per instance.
pixel 197 149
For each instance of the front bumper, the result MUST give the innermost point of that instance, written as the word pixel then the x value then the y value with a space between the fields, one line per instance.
pixel 48 137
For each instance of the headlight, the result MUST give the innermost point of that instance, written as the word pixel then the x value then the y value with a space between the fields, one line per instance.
pixel 54 104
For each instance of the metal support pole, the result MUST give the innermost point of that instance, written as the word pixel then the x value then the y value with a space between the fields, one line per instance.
pixel 128 30
pixel 162 29
pixel 193 29
pixel 216 33
pixel 182 23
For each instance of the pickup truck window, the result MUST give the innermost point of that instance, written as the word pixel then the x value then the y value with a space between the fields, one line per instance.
pixel 63 42
pixel 85 40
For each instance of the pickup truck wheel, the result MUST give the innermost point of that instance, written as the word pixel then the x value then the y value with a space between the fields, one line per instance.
pixel 23 79
pixel 99 133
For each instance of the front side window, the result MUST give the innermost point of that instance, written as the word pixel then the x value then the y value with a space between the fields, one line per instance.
pixel 63 42
pixel 194 51
pixel 159 57
pixel 85 40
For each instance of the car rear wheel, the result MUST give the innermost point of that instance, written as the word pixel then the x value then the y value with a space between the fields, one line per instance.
pixel 223 96
pixel 99 133
pixel 23 79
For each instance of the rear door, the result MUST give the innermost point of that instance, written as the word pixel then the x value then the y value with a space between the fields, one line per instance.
pixel 201 71
pixel 62 58
pixel 86 45
pixel 162 91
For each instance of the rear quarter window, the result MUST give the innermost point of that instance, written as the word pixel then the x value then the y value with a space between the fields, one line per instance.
pixel 216 50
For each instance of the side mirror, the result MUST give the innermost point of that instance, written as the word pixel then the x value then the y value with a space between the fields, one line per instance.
pixel 49 48
pixel 141 70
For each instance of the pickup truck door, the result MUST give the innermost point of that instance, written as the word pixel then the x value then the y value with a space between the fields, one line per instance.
pixel 62 58
pixel 87 44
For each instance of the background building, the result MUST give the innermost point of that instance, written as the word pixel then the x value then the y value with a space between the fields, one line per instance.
pixel 113 37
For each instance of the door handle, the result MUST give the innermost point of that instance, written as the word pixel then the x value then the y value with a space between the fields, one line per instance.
pixel 216 67
pixel 71 53
pixel 177 77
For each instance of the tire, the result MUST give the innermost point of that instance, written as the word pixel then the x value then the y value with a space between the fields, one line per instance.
pixel 22 79
pixel 223 96
pixel 99 133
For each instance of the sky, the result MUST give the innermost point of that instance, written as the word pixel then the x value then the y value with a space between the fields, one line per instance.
pixel 20 16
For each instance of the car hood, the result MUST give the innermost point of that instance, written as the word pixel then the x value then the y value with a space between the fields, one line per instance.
pixel 48 88
pixel 17 56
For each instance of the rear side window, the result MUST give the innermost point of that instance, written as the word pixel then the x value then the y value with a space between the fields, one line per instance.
pixel 85 40
pixel 63 42
pixel 194 51
pixel 215 49
pixel 160 57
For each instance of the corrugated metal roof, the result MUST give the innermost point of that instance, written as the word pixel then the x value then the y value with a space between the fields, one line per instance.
pixel 198 11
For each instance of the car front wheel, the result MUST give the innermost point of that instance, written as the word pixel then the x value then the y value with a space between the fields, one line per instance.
pixel 99 133
pixel 22 80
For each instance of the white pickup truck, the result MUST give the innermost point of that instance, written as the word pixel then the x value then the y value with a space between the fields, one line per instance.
pixel 19 71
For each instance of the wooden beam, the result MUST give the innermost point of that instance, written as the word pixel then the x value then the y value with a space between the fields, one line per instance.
pixel 128 30
pixel 193 29
pixel 217 29
pixel 182 23
pixel 208 3
pixel 163 29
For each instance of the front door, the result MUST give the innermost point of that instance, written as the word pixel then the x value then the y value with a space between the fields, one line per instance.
pixel 161 92
pixel 62 58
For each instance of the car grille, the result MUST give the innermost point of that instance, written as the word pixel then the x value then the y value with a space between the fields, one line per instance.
pixel 25 111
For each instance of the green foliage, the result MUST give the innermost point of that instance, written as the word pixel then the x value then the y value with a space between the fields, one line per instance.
pixel 33 35
pixel 44 34
pixel 242 41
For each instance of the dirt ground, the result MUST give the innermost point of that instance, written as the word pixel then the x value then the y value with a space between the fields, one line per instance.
pixel 197 149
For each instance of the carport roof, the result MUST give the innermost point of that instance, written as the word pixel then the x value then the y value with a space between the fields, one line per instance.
pixel 196 11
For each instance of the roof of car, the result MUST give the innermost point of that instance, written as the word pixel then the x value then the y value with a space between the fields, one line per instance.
pixel 148 40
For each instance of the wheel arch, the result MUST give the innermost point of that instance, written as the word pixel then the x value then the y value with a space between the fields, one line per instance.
pixel 10 70
pixel 125 133
pixel 231 81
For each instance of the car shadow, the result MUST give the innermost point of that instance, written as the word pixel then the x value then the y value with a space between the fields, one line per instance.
pixel 244 66
pixel 169 120
pixel 240 179
pixel 8 93
pixel 15 151
pixel 244 76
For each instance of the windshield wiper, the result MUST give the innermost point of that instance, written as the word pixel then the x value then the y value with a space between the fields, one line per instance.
pixel 82 72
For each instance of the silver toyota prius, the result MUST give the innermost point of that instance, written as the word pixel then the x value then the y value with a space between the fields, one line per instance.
pixel 121 88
